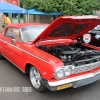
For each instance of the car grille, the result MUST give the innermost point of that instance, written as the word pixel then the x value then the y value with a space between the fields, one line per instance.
pixel 86 67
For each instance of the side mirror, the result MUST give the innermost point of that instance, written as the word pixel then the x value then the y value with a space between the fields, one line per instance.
pixel 13 40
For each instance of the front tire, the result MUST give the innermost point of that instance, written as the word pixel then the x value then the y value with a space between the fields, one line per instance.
pixel 36 79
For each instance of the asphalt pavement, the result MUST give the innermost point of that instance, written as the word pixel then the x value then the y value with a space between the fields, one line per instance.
pixel 14 85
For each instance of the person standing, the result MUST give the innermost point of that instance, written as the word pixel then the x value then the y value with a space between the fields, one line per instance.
pixel 7 20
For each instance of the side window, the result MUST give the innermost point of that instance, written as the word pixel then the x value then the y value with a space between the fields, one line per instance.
pixel 7 32
pixel 13 33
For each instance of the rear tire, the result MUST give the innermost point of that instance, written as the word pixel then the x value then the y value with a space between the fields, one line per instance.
pixel 36 79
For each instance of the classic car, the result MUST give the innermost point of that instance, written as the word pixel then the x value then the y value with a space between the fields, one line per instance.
pixel 56 56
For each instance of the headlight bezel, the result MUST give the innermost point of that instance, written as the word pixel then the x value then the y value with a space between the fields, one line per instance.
pixel 69 68
pixel 58 69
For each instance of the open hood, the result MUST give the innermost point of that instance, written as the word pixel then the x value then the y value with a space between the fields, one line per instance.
pixel 70 27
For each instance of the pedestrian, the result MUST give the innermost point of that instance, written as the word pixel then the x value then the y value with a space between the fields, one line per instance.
pixel 7 20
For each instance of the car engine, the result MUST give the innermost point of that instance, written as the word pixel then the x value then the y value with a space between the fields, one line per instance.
pixel 65 53
pixel 73 54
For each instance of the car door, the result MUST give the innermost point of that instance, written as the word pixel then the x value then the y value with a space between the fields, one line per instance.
pixel 11 47
pixel 6 41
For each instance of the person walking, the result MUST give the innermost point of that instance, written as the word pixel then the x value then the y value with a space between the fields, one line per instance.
pixel 7 20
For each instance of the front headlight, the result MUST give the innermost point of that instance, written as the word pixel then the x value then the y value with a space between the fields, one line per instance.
pixel 59 73
pixel 67 71
pixel 64 71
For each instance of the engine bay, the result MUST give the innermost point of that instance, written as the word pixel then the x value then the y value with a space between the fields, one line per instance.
pixel 76 54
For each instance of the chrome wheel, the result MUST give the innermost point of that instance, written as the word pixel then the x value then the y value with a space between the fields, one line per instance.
pixel 35 77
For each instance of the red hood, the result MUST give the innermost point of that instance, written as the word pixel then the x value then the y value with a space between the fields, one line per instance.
pixel 69 27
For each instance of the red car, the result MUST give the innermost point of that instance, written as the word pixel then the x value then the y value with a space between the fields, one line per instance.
pixel 56 56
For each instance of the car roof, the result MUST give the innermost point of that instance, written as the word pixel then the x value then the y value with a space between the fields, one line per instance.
pixel 20 25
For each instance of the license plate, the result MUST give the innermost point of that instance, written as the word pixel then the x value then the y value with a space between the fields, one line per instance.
pixel 64 86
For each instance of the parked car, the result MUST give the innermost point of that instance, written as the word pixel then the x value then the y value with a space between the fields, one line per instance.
pixel 56 56
pixel 95 35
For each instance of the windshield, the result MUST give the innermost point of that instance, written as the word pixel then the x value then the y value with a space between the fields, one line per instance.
pixel 30 33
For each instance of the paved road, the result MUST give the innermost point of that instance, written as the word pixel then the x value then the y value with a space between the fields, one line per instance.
pixel 12 77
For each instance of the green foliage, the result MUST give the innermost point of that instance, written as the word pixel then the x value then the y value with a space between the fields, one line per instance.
pixel 66 7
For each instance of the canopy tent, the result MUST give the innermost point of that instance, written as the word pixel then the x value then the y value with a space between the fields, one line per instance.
pixel 36 12
pixel 10 8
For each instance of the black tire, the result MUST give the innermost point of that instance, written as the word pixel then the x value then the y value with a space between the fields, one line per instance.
pixel 34 75
pixel 1 57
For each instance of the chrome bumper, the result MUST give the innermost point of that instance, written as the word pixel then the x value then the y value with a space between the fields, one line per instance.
pixel 71 80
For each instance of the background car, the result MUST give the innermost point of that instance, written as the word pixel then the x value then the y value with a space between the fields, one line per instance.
pixel 95 35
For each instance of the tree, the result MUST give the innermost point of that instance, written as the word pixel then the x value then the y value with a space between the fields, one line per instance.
pixel 66 7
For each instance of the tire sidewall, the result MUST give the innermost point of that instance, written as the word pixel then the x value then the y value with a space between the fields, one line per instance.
pixel 42 87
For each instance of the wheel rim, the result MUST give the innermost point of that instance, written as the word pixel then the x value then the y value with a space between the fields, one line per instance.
pixel 35 77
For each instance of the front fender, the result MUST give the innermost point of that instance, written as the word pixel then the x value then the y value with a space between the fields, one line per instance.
pixel 45 62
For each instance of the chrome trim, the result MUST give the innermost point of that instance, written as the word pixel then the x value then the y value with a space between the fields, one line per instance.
pixel 70 80
pixel 34 25
pixel 26 52
pixel 86 67
pixel 21 35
